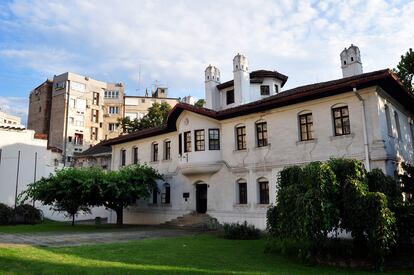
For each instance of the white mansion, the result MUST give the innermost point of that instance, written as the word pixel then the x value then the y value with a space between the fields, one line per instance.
pixel 224 160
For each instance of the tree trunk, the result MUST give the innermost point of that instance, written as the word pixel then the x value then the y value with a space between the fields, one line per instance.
pixel 119 215
pixel 73 220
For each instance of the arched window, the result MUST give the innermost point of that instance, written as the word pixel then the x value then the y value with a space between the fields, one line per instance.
pixel 261 133
pixel 388 119
pixel 154 151
pixel 242 191
pixel 263 185
pixel 241 137
pixel 166 194
pixel 397 124
pixel 167 149
pixel 135 155
pixel 123 157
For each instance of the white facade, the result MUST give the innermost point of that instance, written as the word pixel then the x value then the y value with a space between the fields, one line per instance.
pixel 35 162
pixel 7 119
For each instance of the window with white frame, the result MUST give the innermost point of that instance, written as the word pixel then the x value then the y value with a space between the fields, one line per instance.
pixel 113 110
pixel 112 127
pixel 263 185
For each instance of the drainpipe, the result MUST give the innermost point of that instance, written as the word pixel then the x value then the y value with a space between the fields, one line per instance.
pixel 365 130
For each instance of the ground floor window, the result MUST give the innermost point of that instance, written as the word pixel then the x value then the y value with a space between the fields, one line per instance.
pixel 242 185
pixel 166 194
pixel 263 191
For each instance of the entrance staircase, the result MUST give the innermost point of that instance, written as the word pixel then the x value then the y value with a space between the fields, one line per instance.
pixel 194 220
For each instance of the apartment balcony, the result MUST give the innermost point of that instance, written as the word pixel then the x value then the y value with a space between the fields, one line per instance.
pixel 200 163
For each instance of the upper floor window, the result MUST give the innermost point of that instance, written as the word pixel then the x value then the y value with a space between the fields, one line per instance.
pixel 187 142
pixel 397 124
pixel 261 134
pixel 114 109
pixel 112 127
pixel 263 191
pixel 230 97
pixel 95 115
pixel 135 155
pixel 213 139
pixel 155 152
pixel 167 150
pixel 388 120
pixel 264 90
pixel 180 144
pixel 111 94
pixel 341 121
pixel 242 187
pixel 276 89
pixel 60 85
pixel 306 126
pixel 94 133
pixel 241 137
pixel 199 140
pixel 123 157
pixel 95 100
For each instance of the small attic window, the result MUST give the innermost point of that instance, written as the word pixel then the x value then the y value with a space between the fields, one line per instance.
pixel 344 62
pixel 237 66
pixel 208 77
pixel 352 59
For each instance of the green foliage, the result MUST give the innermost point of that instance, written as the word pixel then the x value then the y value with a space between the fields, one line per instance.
pixel 200 103
pixel 27 214
pixel 156 116
pixel 319 198
pixel 405 69
pixel 407 180
pixel 6 214
pixel 242 231
pixel 404 213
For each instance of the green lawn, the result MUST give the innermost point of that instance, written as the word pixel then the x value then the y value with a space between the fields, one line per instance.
pixel 54 226
pixel 187 255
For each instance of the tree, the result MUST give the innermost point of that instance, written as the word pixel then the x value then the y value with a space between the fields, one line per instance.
pixel 69 190
pixel 407 180
pixel 122 188
pixel 200 103
pixel 156 116
pixel 405 70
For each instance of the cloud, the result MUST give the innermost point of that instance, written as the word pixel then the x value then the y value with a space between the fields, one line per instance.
pixel 17 106
pixel 173 41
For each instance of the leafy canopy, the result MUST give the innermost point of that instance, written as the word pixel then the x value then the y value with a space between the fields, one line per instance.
pixel 405 69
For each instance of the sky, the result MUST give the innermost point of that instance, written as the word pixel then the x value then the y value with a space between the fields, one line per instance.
pixel 141 43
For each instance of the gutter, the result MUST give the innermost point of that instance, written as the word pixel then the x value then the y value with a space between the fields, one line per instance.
pixel 365 130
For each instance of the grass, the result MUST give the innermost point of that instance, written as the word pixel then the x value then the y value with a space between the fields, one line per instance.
pixel 202 254
pixel 54 226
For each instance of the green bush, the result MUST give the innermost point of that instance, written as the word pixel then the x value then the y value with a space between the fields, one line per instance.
pixel 242 231
pixel 27 214
pixel 6 214
pixel 404 213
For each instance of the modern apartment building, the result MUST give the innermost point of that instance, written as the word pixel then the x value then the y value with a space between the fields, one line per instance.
pixel 76 112
pixel 137 106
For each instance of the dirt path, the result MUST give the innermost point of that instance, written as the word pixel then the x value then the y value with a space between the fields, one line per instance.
pixel 80 238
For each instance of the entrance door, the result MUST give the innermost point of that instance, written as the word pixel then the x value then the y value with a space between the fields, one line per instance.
pixel 201 198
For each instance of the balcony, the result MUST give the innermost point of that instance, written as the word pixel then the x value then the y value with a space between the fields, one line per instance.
pixel 200 163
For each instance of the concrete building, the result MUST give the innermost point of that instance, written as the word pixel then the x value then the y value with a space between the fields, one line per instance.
pixel 8 119
pixel 137 106
pixel 75 112
pixel 96 156
pixel 224 160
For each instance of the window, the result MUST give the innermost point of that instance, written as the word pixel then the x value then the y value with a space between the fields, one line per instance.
pixel 230 97
pixel 306 127
pixel 155 152
pixel 263 191
pixel 77 86
pixel 155 195
pixel 166 194
pixel 187 142
pixel 71 120
pixel 397 125
pixel 72 103
pixel 40 109
pixel 213 139
pixel 180 144
pixel 111 94
pixel 276 89
pixel 95 115
pixel 113 109
pixel 69 139
pixel 412 131
pixel 261 134
pixel 388 119
pixel 95 98
pixel 112 127
pixel 60 85
pixel 199 140
pixel 123 157
pixel 341 121
pixel 94 133
pixel 241 137
pixel 242 185
pixel 167 150
pixel 264 90
pixel 135 155
pixel 78 139
pixel 352 59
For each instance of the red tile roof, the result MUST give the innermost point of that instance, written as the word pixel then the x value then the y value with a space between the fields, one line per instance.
pixel 383 78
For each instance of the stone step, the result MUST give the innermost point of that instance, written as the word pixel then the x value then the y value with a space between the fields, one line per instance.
pixel 194 221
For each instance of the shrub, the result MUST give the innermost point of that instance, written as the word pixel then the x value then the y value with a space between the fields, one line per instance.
pixel 242 231
pixel 404 213
pixel 6 214
pixel 27 214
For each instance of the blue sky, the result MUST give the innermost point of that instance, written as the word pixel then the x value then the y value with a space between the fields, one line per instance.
pixel 173 41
